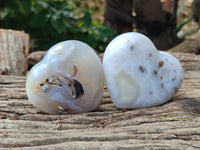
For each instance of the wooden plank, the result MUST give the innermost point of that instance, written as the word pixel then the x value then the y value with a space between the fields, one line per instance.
pixel 174 125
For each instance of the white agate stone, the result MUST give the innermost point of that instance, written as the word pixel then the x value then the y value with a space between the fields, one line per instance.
pixel 137 74
pixel 69 78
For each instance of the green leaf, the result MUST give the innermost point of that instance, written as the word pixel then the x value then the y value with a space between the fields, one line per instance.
pixel 5 14
pixel 38 20
pixel 146 132
pixel 89 39
pixel 11 4
pixel 42 4
pixel 26 4
pixel 87 19
pixel 182 23
pixel 177 119
pixel 104 30
pixel 51 21
pixel 57 23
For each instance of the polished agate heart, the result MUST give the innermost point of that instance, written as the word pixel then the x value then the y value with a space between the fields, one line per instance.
pixel 137 74
pixel 69 78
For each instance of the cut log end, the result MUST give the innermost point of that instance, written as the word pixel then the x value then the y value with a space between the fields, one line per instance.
pixel 14 49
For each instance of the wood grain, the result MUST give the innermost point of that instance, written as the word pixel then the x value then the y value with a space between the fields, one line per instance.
pixel 14 49
pixel 174 125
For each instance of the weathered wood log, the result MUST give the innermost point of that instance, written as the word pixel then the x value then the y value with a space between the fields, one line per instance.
pixel 14 49
pixel 190 45
pixel 174 125
pixel 35 57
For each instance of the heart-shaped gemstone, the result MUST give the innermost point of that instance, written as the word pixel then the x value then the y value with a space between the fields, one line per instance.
pixel 69 78
pixel 137 74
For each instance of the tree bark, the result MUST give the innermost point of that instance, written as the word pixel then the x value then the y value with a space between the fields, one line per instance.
pixel 151 19
pixel 196 10
pixel 158 24
pixel 118 15
pixel 14 49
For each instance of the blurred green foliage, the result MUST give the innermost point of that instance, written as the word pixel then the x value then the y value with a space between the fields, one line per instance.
pixel 51 21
